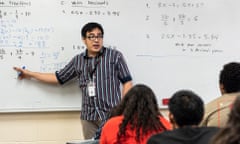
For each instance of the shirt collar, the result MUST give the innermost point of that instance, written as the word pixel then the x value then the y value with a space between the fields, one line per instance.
pixel 100 52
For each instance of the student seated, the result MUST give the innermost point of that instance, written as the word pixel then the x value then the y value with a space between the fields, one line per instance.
pixel 230 134
pixel 217 111
pixel 186 111
pixel 135 119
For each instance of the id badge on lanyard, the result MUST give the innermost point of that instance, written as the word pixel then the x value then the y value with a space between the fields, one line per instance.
pixel 91 87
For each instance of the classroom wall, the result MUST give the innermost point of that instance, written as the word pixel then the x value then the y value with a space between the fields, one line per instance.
pixel 41 128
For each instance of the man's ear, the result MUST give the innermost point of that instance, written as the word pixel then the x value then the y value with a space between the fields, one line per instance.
pixel 172 120
pixel 221 87
pixel 84 40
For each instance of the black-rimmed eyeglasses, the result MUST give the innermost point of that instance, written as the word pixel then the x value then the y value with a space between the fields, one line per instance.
pixel 93 37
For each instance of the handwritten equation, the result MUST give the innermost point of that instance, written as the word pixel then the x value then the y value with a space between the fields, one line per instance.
pixel 24 37
pixel 16 53
pixel 180 5
pixel 190 36
pixel 14 13
pixel 50 61
pixel 179 19
pixel 93 13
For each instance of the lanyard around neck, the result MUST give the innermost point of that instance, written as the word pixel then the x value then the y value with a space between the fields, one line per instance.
pixel 92 71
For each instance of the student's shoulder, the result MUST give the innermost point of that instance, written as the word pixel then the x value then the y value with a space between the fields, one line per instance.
pixel 162 137
pixel 219 103
pixel 114 120
pixel 223 98
pixel 210 129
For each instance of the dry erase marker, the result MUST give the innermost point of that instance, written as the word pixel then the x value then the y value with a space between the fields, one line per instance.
pixel 20 73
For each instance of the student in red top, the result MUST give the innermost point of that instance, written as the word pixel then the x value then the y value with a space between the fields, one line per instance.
pixel 135 119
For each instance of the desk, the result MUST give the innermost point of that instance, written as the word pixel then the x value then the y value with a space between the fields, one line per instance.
pixel 90 141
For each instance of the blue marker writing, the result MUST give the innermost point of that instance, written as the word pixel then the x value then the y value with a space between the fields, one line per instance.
pixel 20 73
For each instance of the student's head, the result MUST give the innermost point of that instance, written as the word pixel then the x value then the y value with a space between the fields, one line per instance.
pixel 186 108
pixel 139 99
pixel 140 110
pixel 92 36
pixel 230 78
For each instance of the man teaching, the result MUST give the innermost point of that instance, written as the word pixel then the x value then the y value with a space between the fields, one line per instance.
pixel 100 72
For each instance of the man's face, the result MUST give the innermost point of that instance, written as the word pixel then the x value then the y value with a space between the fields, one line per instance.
pixel 93 41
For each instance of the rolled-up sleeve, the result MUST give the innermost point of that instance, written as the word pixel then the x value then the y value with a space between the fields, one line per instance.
pixel 124 73
pixel 68 72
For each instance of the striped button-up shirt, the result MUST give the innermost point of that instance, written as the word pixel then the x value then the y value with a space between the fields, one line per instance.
pixel 109 69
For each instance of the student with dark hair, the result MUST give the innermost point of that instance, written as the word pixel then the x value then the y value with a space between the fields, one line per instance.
pixel 186 111
pixel 230 134
pixel 100 72
pixel 135 119
pixel 217 111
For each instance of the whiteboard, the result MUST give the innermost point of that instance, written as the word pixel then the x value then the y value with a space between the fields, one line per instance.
pixel 168 45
